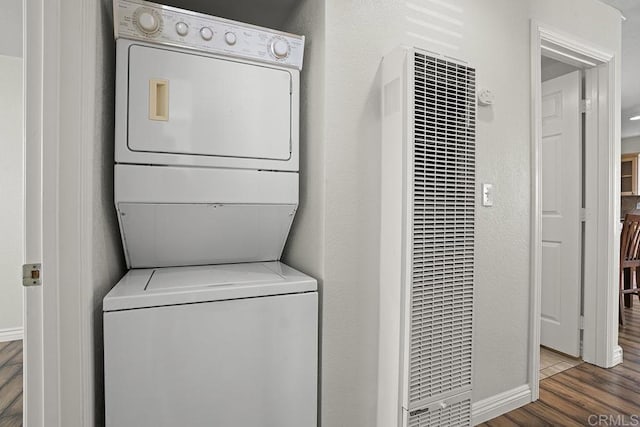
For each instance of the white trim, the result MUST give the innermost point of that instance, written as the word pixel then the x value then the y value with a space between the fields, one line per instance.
pixel 60 317
pixel 536 228
pixel 617 356
pixel 11 334
pixel 572 43
pixel 42 94
pixel 88 347
pixel 608 228
pixel 76 126
pixel 590 262
pixel 494 406
pixel 600 293
pixel 50 139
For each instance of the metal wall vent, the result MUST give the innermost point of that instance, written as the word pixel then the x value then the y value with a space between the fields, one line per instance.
pixel 443 238
pixel 457 414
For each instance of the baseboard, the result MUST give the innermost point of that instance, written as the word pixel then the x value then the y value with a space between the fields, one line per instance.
pixel 499 404
pixel 617 356
pixel 11 334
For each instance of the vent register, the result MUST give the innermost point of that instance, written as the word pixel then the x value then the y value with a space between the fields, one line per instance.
pixel 441 306
pixel 455 415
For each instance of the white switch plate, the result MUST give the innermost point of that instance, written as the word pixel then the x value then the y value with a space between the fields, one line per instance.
pixel 487 194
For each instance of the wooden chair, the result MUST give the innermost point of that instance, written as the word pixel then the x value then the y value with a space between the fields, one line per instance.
pixel 629 258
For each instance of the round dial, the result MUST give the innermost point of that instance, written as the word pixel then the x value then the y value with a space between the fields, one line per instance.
pixel 230 38
pixel 280 48
pixel 182 28
pixel 206 33
pixel 147 20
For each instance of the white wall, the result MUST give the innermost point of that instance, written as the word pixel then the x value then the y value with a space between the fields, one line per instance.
pixel 11 169
pixel 11 28
pixel 495 36
pixel 631 145
pixel 107 256
pixel 11 193
pixel 305 246
pixel 551 69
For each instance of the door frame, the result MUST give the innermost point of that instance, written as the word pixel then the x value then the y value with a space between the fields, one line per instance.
pixel 60 129
pixel 602 167
pixel 40 306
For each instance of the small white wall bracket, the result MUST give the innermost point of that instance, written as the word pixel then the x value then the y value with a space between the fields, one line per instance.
pixel 485 97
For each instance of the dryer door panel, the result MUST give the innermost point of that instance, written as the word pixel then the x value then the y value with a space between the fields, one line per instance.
pixel 181 103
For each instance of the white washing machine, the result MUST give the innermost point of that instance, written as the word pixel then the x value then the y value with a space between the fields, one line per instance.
pixel 227 346
pixel 208 328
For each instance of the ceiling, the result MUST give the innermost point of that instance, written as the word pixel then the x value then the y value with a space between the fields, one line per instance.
pixel 272 13
pixel 630 64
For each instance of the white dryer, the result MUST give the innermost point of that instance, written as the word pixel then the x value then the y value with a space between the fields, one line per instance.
pixel 206 137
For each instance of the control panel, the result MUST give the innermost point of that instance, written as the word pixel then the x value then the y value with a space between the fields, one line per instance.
pixel 142 20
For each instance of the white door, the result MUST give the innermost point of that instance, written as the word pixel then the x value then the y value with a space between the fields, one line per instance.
pixel 561 205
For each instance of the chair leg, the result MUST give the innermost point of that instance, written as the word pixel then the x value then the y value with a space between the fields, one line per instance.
pixel 621 297
pixel 637 283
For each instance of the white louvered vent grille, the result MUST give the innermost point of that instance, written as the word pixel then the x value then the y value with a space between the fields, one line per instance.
pixel 443 229
pixel 457 414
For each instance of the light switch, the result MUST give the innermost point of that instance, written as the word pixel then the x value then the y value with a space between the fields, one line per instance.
pixel 487 194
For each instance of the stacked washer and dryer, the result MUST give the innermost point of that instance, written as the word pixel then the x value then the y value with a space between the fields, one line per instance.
pixel 207 328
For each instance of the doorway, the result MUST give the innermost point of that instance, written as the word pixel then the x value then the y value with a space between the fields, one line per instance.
pixel 574 152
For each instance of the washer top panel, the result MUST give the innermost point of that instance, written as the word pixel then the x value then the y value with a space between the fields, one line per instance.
pixel 142 20
pixel 156 287
pixel 211 276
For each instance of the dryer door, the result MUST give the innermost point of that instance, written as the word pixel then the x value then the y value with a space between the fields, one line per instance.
pixel 188 103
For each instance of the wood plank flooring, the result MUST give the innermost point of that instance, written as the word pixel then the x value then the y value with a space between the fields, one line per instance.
pixel 577 396
pixel 11 384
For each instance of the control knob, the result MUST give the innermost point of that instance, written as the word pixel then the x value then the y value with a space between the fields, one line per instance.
pixel 280 48
pixel 206 33
pixel 147 20
pixel 182 29
pixel 230 38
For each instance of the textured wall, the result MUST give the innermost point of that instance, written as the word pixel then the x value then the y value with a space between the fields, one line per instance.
pixel 551 69
pixel 494 36
pixel 11 192
pixel 107 257
pixel 11 28
pixel 305 246
pixel 631 145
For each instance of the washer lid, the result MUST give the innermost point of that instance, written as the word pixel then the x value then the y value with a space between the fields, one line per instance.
pixel 185 285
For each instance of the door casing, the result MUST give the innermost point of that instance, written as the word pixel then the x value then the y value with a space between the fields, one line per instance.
pixel 602 166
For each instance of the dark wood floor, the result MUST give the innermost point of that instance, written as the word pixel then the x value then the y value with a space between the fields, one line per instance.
pixel 10 384
pixel 577 396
